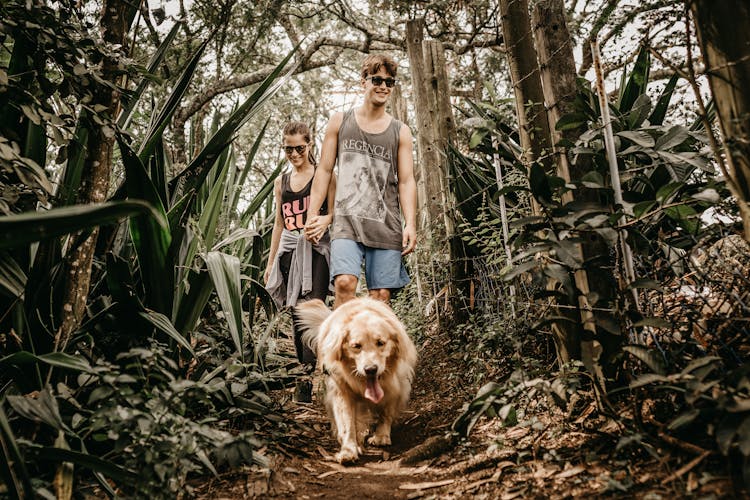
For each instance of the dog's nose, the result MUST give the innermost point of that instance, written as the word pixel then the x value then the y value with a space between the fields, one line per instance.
pixel 371 370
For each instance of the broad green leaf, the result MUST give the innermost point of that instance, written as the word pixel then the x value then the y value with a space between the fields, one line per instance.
pixel 681 213
pixel 157 58
pixel 519 269
pixel 151 237
pixel 154 133
pixel 56 359
pixel 650 358
pixel 684 419
pixel 675 136
pixel 641 208
pixel 571 121
pixel 648 379
pixel 19 230
pixel 660 110
pixel 76 152
pixel 197 170
pixel 35 147
pixel 12 277
pixel 641 110
pixel 86 460
pixel 665 193
pixel 700 362
pixel 639 137
pixel 162 323
pixel 250 159
pixel 476 138
pixel 238 234
pixel 593 179
pixel 211 209
pixel 637 82
pixel 225 274
pixel 265 193
pixel 42 408
pixel 14 474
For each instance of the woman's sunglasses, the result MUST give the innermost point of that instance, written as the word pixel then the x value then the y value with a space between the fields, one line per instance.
pixel 299 149
pixel 377 80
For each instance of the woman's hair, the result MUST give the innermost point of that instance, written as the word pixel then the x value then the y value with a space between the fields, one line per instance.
pixel 299 128
pixel 374 62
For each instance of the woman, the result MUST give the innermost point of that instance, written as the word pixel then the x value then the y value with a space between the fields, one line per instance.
pixel 297 268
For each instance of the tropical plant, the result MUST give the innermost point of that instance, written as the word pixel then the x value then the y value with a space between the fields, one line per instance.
pixel 152 279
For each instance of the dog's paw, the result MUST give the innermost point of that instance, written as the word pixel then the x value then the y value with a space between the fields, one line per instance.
pixel 348 454
pixel 379 440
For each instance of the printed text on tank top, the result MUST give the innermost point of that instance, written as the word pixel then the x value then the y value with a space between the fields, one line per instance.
pixel 294 211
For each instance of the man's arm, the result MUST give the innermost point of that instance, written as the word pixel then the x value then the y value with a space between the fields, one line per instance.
pixel 323 173
pixel 407 189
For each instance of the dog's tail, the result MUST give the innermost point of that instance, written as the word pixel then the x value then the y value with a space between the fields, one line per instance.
pixel 308 318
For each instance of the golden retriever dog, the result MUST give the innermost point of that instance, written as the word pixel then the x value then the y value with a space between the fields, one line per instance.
pixel 368 359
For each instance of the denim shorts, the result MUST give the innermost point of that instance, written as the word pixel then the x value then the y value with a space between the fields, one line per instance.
pixel 383 266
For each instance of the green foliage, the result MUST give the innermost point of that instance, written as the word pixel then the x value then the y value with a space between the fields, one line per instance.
pixel 712 400
pixel 155 427
pixel 133 416
pixel 507 401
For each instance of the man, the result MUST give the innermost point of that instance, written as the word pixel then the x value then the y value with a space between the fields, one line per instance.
pixel 375 184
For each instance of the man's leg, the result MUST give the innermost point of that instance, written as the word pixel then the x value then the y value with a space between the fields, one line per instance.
pixel 346 264
pixel 384 272
pixel 346 287
pixel 382 294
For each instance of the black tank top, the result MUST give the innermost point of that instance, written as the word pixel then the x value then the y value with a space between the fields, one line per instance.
pixel 294 204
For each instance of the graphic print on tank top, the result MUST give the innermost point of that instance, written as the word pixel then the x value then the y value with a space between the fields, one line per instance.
pixel 363 181
pixel 295 213
pixel 294 204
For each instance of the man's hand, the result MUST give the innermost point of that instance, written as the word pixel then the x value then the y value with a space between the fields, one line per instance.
pixel 409 240
pixel 316 227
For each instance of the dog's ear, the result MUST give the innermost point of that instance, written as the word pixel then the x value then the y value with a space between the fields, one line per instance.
pixel 332 344
pixel 404 349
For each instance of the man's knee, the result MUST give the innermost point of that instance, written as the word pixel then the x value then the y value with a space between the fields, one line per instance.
pixel 345 283
pixel 382 294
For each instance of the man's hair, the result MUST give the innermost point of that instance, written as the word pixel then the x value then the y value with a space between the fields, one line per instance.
pixel 374 62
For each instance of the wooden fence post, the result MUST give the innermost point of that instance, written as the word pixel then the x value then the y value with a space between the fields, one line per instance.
pixel 435 131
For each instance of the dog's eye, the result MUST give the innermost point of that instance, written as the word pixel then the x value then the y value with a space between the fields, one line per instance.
pixel 380 343
pixel 357 347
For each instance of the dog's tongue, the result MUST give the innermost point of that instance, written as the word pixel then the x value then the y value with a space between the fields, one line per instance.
pixel 373 392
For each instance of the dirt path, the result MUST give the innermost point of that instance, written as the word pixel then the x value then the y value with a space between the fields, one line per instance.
pixel 548 455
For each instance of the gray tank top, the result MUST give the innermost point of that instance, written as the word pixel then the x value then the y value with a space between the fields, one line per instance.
pixel 367 207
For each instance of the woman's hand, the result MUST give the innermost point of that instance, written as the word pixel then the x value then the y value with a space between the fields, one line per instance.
pixel 316 227
pixel 266 275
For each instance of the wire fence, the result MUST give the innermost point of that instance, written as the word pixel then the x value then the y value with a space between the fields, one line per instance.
pixel 699 292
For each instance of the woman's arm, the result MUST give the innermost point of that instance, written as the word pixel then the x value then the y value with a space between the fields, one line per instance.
pixel 316 226
pixel 278 226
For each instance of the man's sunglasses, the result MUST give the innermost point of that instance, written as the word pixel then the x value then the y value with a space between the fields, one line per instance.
pixel 377 80
pixel 299 149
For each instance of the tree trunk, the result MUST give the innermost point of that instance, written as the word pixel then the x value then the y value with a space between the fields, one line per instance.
pixel 95 179
pixel 435 132
pixel 533 125
pixel 398 105
pixel 554 45
pixel 428 184
pixel 724 34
